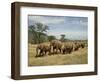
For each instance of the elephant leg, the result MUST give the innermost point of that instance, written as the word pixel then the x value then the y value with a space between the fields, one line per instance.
pixel 54 50
pixel 37 52
pixel 67 51
pixel 41 53
pixel 59 50
pixel 63 51
pixel 70 50
pixel 45 53
pixel 36 55
pixel 49 52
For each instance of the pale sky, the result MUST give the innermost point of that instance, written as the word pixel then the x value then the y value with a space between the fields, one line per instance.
pixel 75 28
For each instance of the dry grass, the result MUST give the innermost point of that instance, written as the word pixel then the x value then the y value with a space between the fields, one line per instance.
pixel 76 57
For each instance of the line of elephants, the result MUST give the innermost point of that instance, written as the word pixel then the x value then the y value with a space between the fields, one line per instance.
pixel 58 47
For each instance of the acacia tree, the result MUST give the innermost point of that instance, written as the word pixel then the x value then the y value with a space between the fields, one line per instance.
pixel 38 30
pixel 62 37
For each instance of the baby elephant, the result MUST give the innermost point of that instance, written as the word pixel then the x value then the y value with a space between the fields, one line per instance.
pixel 42 49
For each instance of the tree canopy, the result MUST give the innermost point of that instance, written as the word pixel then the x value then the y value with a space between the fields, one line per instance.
pixel 38 31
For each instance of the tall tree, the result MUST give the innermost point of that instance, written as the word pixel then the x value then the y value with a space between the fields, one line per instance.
pixel 37 30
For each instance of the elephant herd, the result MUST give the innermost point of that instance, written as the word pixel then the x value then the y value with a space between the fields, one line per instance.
pixel 56 46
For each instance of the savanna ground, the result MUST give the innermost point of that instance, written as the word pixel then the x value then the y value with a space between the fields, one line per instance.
pixel 76 57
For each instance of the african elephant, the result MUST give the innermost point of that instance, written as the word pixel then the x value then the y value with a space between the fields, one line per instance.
pixel 42 50
pixel 67 48
pixel 76 46
pixel 55 46
pixel 82 45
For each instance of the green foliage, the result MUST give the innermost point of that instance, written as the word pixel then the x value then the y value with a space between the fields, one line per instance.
pixel 50 38
pixel 37 33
